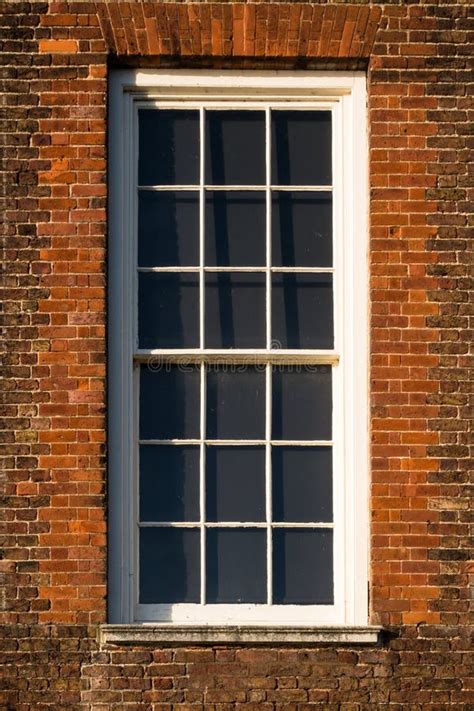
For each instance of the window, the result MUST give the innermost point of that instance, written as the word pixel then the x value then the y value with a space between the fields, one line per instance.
pixel 237 348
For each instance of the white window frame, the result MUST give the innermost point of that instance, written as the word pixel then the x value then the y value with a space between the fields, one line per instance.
pixel 344 93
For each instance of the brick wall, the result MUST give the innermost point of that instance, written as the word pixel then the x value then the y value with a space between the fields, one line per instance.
pixel 54 75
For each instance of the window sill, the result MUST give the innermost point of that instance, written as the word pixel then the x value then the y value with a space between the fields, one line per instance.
pixel 168 634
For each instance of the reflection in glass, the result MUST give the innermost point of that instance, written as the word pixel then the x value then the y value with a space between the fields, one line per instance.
pixel 302 402
pixel 235 402
pixel 169 565
pixel 169 402
pixel 235 148
pixel 235 310
pixel 235 228
pixel 236 565
pixel 301 229
pixel 169 483
pixel 235 483
pixel 168 310
pixel 302 310
pixel 168 228
pixel 168 151
pixel 301 148
pixel 302 566
pixel 302 484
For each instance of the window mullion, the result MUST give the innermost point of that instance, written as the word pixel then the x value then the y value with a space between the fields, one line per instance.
pixel 268 384
pixel 202 483
pixel 201 228
pixel 268 479
pixel 202 290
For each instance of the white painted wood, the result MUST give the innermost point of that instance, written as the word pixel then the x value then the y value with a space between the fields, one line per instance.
pixel 357 416
pixel 202 483
pixel 240 188
pixel 195 614
pixel 243 442
pixel 202 383
pixel 343 93
pixel 156 358
pixel 196 270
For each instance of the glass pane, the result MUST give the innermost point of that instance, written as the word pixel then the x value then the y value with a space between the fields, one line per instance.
pixel 235 148
pixel 301 229
pixel 235 402
pixel 236 565
pixel 302 567
pixel 169 483
pixel 302 484
pixel 235 310
pixel 235 228
pixel 302 402
pixel 235 484
pixel 301 148
pixel 168 147
pixel 169 565
pixel 168 229
pixel 169 402
pixel 168 310
pixel 302 311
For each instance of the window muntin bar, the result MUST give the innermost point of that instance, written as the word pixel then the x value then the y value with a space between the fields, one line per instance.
pixel 250 188
pixel 290 270
pixel 236 524
pixel 243 442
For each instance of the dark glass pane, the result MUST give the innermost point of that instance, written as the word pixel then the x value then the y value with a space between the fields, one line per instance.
pixel 301 148
pixel 301 229
pixel 235 147
pixel 302 567
pixel 235 310
pixel 168 229
pixel 236 565
pixel 235 228
pixel 302 484
pixel 169 565
pixel 235 402
pixel 302 402
pixel 235 483
pixel 169 483
pixel 168 147
pixel 169 402
pixel 168 310
pixel 302 310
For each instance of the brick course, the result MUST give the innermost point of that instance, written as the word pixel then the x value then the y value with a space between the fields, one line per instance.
pixel 55 62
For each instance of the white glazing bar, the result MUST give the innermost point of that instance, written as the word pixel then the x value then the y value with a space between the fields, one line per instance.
pixel 268 229
pixel 202 484
pixel 268 372
pixel 234 524
pixel 197 269
pixel 177 269
pixel 268 479
pixel 156 358
pixel 304 188
pixel 201 227
pixel 197 188
pixel 202 287
pixel 169 188
pixel 304 270
pixel 242 442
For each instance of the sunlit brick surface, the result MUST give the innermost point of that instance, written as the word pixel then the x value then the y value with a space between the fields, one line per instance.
pixel 54 194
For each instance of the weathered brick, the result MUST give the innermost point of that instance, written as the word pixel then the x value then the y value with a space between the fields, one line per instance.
pixel 55 58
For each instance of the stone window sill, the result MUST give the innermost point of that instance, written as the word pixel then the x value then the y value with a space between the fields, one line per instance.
pixel 169 635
